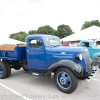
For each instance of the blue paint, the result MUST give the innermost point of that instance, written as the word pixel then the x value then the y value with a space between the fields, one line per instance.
pixel 18 53
pixel 41 58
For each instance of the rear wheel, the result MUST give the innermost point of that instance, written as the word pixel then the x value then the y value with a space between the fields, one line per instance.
pixel 3 70
pixel 65 80
pixel 8 68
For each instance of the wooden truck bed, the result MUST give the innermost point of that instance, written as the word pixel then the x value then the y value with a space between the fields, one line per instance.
pixel 13 52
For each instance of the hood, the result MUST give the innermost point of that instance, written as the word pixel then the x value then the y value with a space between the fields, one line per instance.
pixel 65 49
pixel 96 48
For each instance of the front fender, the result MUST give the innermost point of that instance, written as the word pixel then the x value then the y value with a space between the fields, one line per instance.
pixel 96 59
pixel 77 69
pixel 96 55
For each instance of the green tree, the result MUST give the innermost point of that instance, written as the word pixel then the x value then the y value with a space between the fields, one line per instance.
pixel 90 23
pixel 46 30
pixel 21 36
pixel 32 32
pixel 63 31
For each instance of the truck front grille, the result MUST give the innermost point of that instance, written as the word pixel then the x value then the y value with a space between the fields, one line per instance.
pixel 87 60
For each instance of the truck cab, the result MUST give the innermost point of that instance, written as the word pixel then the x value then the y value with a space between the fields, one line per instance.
pixel 44 50
pixel 43 55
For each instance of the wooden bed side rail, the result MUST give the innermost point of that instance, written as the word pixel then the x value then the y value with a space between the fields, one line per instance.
pixel 10 46
pixel 21 45
pixel 7 47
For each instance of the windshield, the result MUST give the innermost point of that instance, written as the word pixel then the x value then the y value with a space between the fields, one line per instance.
pixel 93 44
pixel 52 41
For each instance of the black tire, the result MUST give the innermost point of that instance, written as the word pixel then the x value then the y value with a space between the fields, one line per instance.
pixel 8 68
pixel 3 68
pixel 65 80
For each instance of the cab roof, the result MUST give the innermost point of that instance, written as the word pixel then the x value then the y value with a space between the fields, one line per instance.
pixel 87 41
pixel 40 35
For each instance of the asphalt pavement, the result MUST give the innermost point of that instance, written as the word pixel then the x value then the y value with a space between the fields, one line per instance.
pixel 22 86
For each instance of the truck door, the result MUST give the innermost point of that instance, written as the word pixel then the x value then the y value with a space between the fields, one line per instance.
pixel 36 57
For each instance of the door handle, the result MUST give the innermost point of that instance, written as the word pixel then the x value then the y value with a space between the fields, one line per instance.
pixel 27 51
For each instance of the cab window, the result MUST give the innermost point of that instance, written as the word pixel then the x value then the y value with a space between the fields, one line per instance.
pixel 85 44
pixel 35 43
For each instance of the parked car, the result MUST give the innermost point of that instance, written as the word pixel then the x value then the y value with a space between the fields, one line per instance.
pixel 67 44
pixel 93 49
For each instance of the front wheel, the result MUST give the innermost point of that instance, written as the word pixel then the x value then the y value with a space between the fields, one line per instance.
pixel 65 80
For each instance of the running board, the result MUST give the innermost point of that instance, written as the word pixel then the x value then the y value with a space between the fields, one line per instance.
pixel 39 74
pixel 43 75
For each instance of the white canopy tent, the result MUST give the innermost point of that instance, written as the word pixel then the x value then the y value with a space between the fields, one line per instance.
pixel 92 32
pixel 6 40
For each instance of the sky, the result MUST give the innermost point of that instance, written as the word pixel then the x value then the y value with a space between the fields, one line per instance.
pixel 25 15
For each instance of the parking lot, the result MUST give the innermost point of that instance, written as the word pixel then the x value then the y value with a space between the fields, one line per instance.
pixel 22 86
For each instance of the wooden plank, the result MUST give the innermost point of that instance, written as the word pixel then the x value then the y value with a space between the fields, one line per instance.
pixel 21 45
pixel 10 46
pixel 7 47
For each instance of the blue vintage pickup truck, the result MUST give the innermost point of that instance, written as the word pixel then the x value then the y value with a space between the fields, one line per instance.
pixel 43 55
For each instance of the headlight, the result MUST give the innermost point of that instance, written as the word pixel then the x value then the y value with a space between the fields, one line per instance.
pixel 79 56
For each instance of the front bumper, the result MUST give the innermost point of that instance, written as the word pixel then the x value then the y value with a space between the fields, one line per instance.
pixel 94 67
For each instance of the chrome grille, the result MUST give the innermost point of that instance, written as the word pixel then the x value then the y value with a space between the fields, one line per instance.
pixel 87 60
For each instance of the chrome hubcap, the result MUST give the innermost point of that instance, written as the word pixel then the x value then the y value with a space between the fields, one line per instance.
pixel 62 80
